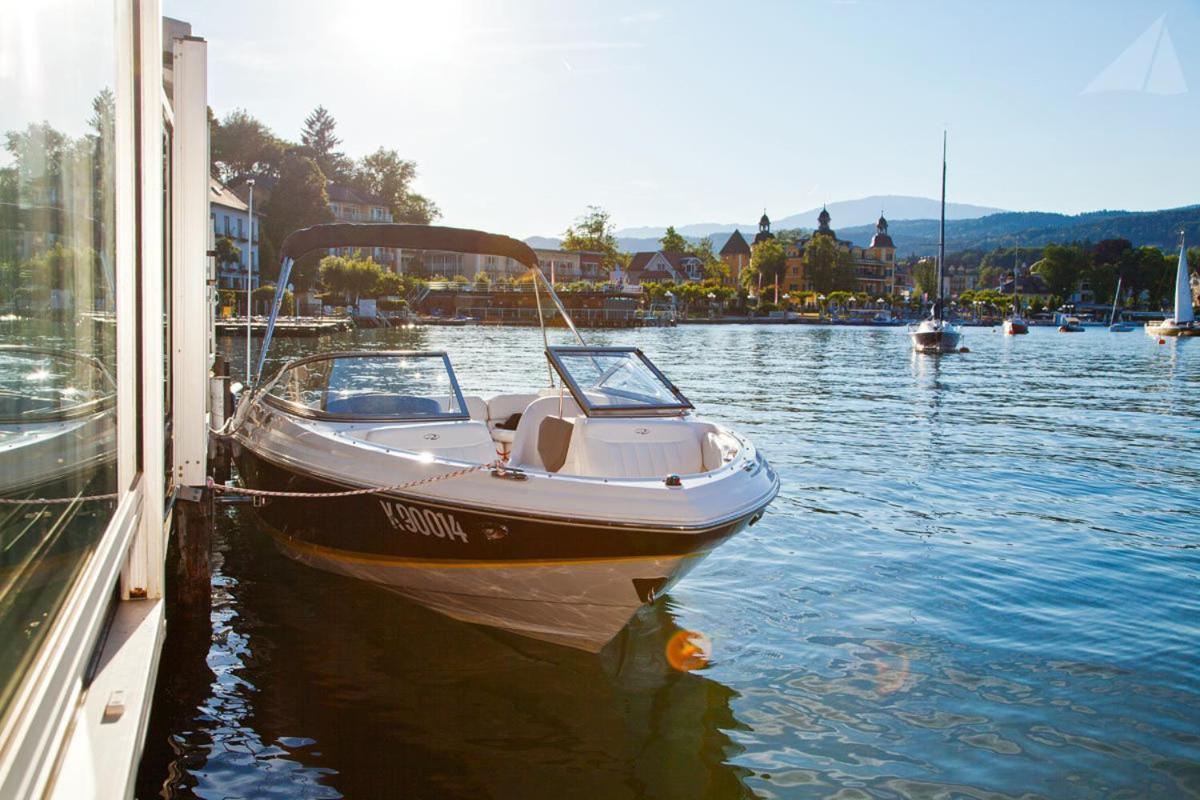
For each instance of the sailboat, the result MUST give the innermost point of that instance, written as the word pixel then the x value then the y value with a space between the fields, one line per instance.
pixel 1015 325
pixel 1113 324
pixel 1183 323
pixel 937 334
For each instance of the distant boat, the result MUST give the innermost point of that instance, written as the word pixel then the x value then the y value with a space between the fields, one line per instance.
pixel 1014 325
pixel 937 335
pixel 1113 324
pixel 1070 325
pixel 1183 323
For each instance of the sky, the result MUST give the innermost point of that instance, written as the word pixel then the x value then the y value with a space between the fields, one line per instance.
pixel 519 115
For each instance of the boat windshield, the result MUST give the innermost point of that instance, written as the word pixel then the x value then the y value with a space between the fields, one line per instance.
pixel 396 386
pixel 616 381
pixel 39 385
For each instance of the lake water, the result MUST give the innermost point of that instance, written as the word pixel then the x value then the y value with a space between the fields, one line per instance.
pixel 981 579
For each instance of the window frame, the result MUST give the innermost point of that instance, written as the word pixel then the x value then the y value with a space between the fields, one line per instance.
pixel 590 409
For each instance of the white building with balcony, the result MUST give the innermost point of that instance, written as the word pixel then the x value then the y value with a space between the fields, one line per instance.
pixel 230 217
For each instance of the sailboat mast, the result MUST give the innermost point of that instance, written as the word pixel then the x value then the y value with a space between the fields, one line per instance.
pixel 1112 316
pixel 937 307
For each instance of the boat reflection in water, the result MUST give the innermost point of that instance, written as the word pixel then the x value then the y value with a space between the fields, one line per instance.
pixel 387 698
pixel 57 441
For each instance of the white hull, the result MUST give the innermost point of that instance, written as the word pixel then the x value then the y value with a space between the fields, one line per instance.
pixel 580 604
pixel 935 336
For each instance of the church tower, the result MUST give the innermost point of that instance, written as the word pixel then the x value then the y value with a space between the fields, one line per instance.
pixel 764 229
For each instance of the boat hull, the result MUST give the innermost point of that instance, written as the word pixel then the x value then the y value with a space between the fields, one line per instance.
pixel 943 341
pixel 570 581
pixel 1012 328
pixel 1190 329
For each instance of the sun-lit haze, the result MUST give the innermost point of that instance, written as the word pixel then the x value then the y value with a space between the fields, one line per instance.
pixel 520 115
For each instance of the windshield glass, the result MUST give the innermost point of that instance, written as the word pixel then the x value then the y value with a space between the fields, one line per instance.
pixel 39 385
pixel 615 379
pixel 397 386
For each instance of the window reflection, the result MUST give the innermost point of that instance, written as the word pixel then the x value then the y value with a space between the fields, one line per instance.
pixel 57 312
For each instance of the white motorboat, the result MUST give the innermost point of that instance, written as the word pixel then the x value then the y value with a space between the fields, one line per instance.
pixel 1183 320
pixel 936 334
pixel 554 513
pixel 57 421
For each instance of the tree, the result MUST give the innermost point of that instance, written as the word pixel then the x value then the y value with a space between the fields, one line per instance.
pixel 769 260
pixel 828 267
pixel 1102 278
pixel 1111 251
pixel 320 143
pixel 924 274
pixel 241 146
pixel 593 232
pixel 385 175
pixel 350 277
pixel 672 242
pixel 1061 268
pixel 417 209
pixel 227 253
pixel 389 285
pixel 298 200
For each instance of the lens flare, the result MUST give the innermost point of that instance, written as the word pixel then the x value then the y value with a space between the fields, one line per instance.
pixel 689 650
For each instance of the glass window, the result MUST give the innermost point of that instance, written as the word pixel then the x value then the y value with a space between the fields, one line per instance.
pixel 615 380
pixel 395 386
pixel 57 312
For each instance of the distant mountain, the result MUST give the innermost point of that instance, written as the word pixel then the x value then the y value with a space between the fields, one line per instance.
pixel 1035 228
pixel 1004 229
pixel 846 213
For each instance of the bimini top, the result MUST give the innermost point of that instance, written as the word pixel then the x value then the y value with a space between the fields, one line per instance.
pixel 409 237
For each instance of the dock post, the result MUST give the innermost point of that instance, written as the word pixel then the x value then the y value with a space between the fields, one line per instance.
pixel 193 538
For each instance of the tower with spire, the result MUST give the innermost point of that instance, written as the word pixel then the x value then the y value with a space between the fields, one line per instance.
pixel 823 224
pixel 764 229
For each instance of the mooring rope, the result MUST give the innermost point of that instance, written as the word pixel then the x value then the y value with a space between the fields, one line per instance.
pixel 41 501
pixel 220 488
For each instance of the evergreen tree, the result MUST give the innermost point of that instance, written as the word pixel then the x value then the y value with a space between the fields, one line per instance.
pixel 672 242
pixel 297 201
pixel 320 144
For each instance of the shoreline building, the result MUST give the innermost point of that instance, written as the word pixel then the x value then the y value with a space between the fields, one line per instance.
pixel 350 205
pixel 874 265
pixel 735 254
pixel 568 266
pixel 230 217
pixel 659 267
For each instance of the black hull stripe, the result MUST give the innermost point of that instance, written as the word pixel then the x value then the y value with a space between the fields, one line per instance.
pixel 381 528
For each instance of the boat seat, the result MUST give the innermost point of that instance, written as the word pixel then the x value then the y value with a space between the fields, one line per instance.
pixel 383 405
pixel 503 406
pixel 525 442
pixel 477 407
pixel 634 448
pixel 717 450
pixel 460 441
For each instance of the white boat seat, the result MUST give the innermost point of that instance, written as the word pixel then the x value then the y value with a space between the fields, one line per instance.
pixel 525 446
pixel 634 448
pixel 477 407
pixel 460 441
pixel 503 406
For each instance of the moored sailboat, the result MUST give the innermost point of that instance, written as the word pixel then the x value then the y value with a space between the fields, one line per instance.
pixel 1115 325
pixel 1015 325
pixel 937 334
pixel 1183 321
